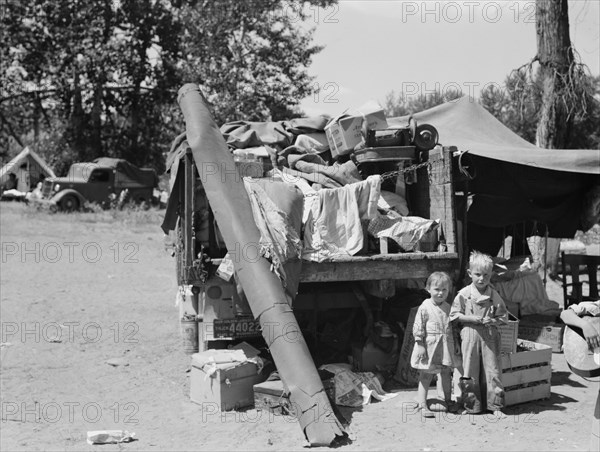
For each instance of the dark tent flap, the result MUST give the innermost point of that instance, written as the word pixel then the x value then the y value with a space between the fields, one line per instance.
pixel 464 123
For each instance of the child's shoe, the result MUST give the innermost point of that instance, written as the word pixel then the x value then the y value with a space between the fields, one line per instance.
pixel 453 407
pixel 427 413
pixel 498 414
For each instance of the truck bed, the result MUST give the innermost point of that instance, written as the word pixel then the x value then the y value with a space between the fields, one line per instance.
pixel 379 267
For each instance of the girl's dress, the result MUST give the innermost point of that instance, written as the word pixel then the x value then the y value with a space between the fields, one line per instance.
pixel 432 328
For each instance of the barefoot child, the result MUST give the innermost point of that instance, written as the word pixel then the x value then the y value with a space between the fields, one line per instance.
pixel 480 309
pixel 434 351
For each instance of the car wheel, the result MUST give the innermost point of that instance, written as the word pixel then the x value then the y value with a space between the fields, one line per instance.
pixel 69 203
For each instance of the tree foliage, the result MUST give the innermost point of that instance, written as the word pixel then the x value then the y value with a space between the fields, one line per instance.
pixel 89 78
pixel 553 101
pixel 250 57
pixel 399 104
pixel 518 104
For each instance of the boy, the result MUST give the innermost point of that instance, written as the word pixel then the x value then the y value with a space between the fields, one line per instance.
pixel 572 316
pixel 479 308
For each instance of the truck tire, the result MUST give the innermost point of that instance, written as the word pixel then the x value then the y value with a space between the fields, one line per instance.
pixel 69 203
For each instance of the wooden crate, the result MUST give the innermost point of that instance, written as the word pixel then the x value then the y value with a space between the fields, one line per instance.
pixel 271 396
pixel 526 375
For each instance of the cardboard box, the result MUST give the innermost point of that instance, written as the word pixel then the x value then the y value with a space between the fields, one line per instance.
pixel 345 132
pixel 548 333
pixel 228 385
pixel 526 374
pixel 509 333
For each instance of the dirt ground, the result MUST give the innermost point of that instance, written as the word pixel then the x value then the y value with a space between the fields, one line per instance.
pixel 90 341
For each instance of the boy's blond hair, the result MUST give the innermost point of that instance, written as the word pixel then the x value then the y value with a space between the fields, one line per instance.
pixel 481 261
pixel 437 277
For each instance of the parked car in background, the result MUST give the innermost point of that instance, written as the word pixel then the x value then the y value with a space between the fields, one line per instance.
pixel 101 181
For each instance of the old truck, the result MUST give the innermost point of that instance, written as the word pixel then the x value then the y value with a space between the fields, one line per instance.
pixel 209 211
pixel 100 181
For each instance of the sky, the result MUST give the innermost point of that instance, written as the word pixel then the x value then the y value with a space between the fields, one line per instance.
pixel 378 46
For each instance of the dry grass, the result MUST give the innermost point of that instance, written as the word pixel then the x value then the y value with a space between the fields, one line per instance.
pixel 132 216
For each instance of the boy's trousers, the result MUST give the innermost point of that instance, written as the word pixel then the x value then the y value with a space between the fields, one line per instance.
pixel 482 363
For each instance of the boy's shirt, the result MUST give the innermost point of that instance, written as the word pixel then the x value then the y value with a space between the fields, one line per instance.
pixel 586 308
pixel 468 301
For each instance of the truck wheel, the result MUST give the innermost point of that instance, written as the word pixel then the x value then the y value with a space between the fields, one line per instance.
pixel 69 203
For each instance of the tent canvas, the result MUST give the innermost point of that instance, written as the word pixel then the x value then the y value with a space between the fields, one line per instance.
pixel 513 181
pixel 28 166
pixel 127 174
pixel 466 124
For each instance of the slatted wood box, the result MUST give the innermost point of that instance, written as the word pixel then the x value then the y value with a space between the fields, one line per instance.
pixel 526 374
pixel 271 396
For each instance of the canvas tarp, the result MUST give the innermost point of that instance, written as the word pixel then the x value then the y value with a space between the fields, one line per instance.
pixel 513 181
pixel 28 167
pixel 464 123
pixel 129 175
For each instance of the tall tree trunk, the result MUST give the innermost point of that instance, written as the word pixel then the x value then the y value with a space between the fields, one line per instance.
pixel 555 57
pixel 97 120
pixel 36 121
pixel 132 153
pixel 77 120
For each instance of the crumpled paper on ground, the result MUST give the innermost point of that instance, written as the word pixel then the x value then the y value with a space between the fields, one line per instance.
pixel 109 437
pixel 354 389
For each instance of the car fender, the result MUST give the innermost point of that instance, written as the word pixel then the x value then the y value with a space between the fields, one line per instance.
pixel 68 191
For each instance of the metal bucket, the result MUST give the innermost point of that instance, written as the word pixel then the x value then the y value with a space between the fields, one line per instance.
pixel 189 335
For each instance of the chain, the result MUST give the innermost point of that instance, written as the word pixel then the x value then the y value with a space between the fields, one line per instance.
pixel 393 174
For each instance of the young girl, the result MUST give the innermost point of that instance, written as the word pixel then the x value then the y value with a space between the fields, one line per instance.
pixel 434 351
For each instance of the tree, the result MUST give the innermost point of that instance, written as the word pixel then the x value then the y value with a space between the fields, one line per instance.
pixel 398 104
pixel 551 101
pixel 555 57
pixel 518 105
pixel 83 79
pixel 86 68
pixel 251 57
pixel 562 79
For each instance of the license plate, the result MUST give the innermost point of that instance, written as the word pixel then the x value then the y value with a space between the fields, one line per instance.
pixel 236 328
